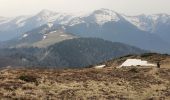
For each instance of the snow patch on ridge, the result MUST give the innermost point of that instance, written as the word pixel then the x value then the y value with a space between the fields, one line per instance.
pixel 135 62
pixel 63 35
pixel 25 35
pixel 45 36
pixel 99 66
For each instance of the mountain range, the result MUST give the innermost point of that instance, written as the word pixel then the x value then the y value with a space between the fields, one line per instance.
pixel 148 32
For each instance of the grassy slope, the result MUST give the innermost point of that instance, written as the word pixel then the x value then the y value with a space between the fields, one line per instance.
pixel 164 59
pixel 53 38
pixel 89 83
pixel 96 84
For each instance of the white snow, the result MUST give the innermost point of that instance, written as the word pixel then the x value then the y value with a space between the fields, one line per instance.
pixel 101 18
pixel 21 24
pixel 21 20
pixel 50 25
pixel 139 22
pixel 46 12
pixel 104 15
pixel 63 35
pixel 47 16
pixel 45 36
pixel 76 21
pixel 136 62
pixel 148 22
pixel 99 66
pixel 143 22
pixel 25 35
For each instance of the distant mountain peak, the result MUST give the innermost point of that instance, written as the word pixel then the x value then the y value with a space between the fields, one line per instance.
pixel 102 16
pixel 105 11
pixel 162 17
pixel 46 12
pixel 2 18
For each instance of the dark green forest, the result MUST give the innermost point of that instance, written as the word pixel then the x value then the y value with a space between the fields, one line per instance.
pixel 74 53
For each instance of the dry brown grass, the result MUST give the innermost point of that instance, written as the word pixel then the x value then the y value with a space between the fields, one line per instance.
pixel 85 84
pixel 164 59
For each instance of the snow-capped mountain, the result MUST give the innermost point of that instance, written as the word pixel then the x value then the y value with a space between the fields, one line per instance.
pixel 14 27
pixel 158 24
pixel 149 32
pixel 102 16
pixel 98 17
pixel 149 22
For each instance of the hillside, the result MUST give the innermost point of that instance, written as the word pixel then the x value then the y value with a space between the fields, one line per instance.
pixel 86 51
pixel 40 37
pixel 107 84
pixel 78 52
pixel 163 59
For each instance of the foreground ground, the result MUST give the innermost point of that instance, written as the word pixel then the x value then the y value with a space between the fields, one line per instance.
pixel 85 84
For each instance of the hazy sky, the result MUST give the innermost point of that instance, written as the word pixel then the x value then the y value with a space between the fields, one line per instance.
pixel 10 8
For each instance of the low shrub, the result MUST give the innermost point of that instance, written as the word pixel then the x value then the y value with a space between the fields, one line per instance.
pixel 134 70
pixel 28 78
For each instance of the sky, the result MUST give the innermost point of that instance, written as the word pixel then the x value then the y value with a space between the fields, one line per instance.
pixel 10 8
